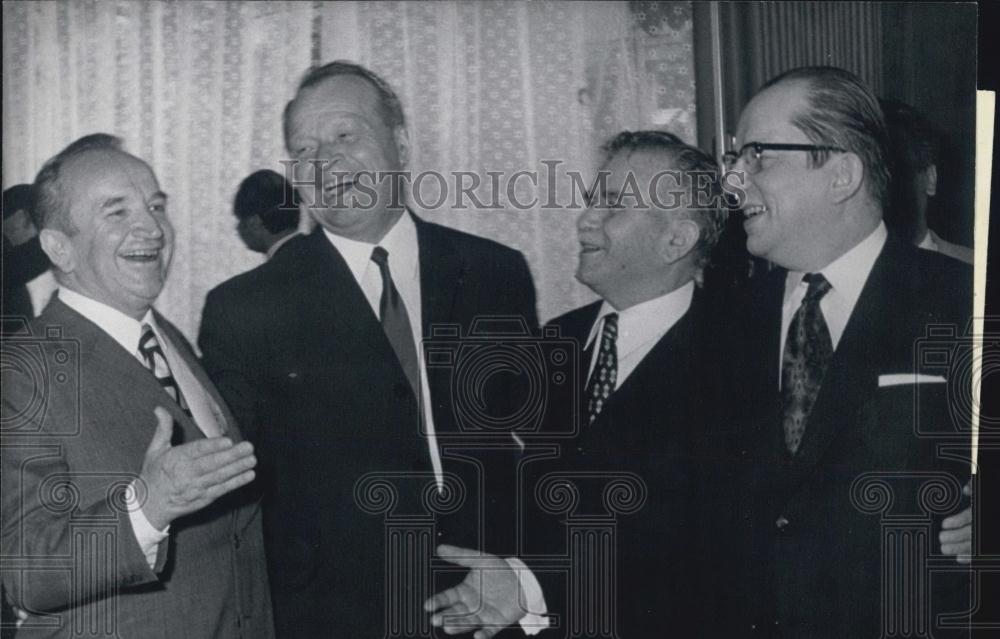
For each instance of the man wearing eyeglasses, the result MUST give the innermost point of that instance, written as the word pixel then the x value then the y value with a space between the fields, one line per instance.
pixel 833 404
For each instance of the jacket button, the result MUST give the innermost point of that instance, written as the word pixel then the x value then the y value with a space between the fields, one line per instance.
pixel 781 522
pixel 236 542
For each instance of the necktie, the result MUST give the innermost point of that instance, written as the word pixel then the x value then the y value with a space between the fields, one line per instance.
pixel 396 322
pixel 605 373
pixel 808 349
pixel 156 362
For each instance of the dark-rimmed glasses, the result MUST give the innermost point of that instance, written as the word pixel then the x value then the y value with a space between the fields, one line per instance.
pixel 751 152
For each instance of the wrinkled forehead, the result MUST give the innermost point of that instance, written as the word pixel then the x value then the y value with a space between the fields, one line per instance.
pixel 107 173
pixel 342 94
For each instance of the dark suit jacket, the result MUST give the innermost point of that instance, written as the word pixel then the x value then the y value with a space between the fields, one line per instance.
pixel 642 442
pixel 296 350
pixel 78 418
pixel 807 534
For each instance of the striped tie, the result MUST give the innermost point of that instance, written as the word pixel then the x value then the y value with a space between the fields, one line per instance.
pixel 156 362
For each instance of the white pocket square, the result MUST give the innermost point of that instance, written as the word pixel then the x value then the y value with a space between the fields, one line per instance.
pixel 897 379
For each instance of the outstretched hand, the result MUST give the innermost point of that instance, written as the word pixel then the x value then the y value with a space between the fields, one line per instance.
pixel 487 601
pixel 182 479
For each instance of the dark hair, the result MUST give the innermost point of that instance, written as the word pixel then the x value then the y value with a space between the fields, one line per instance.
pixel 50 208
pixel 915 142
pixel 267 194
pixel 843 112
pixel 389 105
pixel 19 197
pixel 691 160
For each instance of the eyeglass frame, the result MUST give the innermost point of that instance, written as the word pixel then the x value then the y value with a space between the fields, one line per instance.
pixel 730 158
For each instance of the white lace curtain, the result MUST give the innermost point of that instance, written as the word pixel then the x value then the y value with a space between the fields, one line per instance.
pixel 197 89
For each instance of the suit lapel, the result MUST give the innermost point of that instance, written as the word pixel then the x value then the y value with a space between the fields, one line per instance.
pixel 218 405
pixel 663 361
pixel 757 384
pixel 852 377
pixel 335 296
pixel 442 275
pixel 125 378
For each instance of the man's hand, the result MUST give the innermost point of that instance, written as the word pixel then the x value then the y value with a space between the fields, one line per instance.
pixel 956 532
pixel 488 600
pixel 182 479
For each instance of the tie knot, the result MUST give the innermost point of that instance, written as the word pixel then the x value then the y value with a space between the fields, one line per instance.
pixel 147 339
pixel 611 324
pixel 380 256
pixel 818 287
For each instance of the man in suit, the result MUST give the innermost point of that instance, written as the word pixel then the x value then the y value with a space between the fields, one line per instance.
pixel 28 282
pixel 837 420
pixel 267 213
pixel 121 464
pixel 319 353
pixel 645 361
pixel 915 145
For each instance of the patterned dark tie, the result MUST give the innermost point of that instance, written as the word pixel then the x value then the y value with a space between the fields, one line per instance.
pixel 396 322
pixel 156 362
pixel 808 349
pixel 605 373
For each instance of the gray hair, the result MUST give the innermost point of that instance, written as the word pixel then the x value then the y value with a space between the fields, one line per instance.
pixel 51 210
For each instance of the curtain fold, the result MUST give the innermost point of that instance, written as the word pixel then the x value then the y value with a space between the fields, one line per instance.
pixel 763 39
pixel 198 88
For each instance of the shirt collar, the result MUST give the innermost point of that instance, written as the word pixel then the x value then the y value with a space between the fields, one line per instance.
pixel 400 243
pixel 277 245
pixel 929 242
pixel 122 328
pixel 848 273
pixel 649 320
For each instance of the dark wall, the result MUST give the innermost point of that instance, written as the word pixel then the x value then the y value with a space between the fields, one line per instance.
pixel 929 62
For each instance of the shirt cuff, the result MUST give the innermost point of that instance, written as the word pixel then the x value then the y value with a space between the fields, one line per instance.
pixel 535 620
pixel 149 538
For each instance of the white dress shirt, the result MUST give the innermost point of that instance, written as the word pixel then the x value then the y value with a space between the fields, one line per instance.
pixel 404 266
pixel 847 276
pixel 640 327
pixel 206 413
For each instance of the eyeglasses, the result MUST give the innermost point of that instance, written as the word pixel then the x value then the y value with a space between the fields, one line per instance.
pixel 751 152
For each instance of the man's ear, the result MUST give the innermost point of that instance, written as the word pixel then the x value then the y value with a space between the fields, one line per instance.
pixel 848 174
pixel 679 239
pixel 930 180
pixel 402 137
pixel 60 250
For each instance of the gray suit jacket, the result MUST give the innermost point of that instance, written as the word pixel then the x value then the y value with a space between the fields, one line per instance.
pixel 77 419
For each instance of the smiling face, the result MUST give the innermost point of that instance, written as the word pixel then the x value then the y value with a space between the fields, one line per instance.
pixel 790 220
pixel 339 123
pixel 627 246
pixel 120 251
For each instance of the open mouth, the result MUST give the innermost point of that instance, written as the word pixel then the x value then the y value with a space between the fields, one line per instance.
pixel 141 256
pixel 588 247
pixel 753 210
